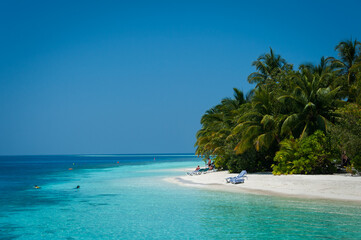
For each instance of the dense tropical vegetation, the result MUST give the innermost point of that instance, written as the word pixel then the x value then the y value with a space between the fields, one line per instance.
pixel 305 120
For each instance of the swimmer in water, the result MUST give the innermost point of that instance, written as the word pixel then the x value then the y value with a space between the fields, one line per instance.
pixel 77 187
pixel 36 187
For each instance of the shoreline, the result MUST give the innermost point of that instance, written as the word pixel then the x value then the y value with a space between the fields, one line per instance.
pixel 340 187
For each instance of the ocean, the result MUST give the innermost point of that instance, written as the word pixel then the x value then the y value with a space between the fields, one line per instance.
pixel 126 197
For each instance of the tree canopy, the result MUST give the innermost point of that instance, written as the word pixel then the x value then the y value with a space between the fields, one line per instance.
pixel 276 123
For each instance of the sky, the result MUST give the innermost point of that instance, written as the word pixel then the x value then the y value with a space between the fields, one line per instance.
pixel 122 77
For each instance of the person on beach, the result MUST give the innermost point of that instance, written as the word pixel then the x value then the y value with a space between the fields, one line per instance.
pixel 209 162
pixel 197 168
pixel 344 159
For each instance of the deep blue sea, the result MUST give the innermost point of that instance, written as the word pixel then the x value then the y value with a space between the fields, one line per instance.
pixel 126 197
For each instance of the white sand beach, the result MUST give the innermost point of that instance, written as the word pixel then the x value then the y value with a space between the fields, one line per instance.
pixel 335 187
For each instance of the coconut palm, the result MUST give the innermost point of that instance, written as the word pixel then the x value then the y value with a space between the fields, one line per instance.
pixel 355 88
pixel 311 106
pixel 324 67
pixel 326 70
pixel 268 67
pixel 209 137
pixel 260 126
pixel 217 124
pixel 349 53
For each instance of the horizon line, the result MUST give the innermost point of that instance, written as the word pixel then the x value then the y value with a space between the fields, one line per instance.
pixel 95 154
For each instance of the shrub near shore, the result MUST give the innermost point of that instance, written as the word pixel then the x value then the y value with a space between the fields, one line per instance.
pixel 303 156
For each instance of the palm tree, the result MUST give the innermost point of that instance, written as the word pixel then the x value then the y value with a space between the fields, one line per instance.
pixel 325 66
pixel 259 127
pixel 311 106
pixel 326 70
pixel 349 53
pixel 355 88
pixel 209 137
pixel 268 67
pixel 217 124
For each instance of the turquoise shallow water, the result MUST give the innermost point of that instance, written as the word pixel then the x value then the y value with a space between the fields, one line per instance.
pixel 132 201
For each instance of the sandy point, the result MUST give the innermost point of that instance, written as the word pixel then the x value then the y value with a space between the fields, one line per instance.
pixel 334 187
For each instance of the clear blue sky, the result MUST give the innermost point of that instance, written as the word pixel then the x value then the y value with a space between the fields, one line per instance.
pixel 136 76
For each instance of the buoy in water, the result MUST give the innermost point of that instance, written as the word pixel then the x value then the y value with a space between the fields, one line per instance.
pixel 70 169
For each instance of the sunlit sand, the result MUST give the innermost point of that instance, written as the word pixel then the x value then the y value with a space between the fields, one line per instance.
pixel 335 187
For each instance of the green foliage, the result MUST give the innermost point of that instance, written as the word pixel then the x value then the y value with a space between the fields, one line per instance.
pixel 221 162
pixel 356 163
pixel 251 160
pixel 350 170
pixel 288 113
pixel 241 162
pixel 260 126
pixel 311 154
pixel 310 105
pixel 270 67
pixel 217 124
pixel 349 53
pixel 346 133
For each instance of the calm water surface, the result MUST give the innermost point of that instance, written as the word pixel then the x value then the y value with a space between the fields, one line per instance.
pixel 130 200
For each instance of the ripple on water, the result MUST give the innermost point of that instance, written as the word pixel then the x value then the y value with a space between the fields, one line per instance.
pixel 143 206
